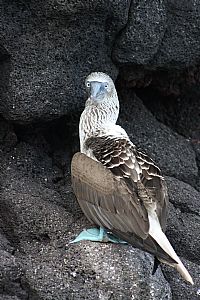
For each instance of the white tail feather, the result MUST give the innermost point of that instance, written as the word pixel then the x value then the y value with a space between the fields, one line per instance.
pixel 156 232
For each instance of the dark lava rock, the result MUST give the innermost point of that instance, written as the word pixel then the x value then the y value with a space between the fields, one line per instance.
pixel 8 138
pixel 183 196
pixel 11 277
pixel 140 40
pixel 160 34
pixel 182 113
pixel 172 152
pixel 5 244
pixel 47 45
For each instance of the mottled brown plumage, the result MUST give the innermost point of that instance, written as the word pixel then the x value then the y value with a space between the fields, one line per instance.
pixel 137 170
pixel 117 202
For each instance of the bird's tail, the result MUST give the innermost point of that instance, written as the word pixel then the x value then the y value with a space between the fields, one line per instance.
pixel 158 235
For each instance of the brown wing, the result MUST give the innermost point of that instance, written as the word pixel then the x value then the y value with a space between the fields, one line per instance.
pixel 137 170
pixel 117 155
pixel 105 199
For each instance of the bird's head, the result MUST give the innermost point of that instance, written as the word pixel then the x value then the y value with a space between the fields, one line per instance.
pixel 100 87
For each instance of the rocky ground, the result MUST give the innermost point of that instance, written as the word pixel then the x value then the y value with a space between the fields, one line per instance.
pixel 46 50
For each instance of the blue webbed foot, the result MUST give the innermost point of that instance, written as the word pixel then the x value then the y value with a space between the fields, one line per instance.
pixel 97 235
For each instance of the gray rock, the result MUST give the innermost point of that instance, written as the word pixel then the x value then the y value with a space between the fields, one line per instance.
pixel 183 196
pixel 10 277
pixel 5 244
pixel 183 230
pixel 8 138
pixel 25 196
pixel 47 45
pixel 47 48
pixel 140 40
pixel 160 34
pixel 10 273
pixel 173 153
pixel 181 113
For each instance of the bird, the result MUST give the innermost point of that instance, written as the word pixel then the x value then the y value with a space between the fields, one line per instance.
pixel 119 187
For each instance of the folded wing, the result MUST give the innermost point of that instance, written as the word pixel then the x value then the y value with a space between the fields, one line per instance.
pixel 114 192
pixel 122 189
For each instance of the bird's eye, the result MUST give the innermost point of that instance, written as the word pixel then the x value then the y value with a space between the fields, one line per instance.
pixel 88 84
pixel 106 85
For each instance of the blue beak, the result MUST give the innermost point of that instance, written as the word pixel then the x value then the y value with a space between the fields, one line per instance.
pixel 97 91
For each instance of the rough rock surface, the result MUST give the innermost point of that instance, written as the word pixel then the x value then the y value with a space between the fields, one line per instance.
pixel 11 273
pixel 45 45
pixel 160 34
pixel 46 50
pixel 166 108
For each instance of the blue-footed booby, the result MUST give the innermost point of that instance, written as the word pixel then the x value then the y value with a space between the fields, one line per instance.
pixel 118 187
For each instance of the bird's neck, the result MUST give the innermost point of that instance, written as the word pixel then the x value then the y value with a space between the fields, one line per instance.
pixel 96 118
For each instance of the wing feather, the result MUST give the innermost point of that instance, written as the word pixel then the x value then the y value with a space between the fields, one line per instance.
pixel 132 165
pixel 108 202
pixel 117 190
pixel 115 202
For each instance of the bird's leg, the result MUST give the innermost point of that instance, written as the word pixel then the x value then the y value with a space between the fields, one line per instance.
pixel 97 235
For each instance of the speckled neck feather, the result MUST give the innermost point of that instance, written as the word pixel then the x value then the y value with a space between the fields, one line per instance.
pixel 96 118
